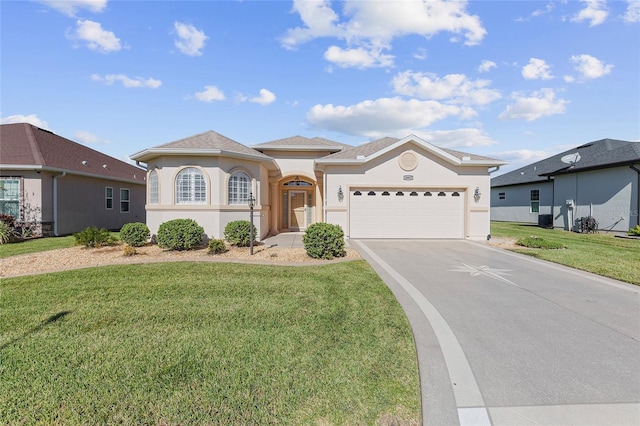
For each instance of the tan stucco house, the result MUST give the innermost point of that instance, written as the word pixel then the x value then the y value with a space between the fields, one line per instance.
pixel 388 188
pixel 62 186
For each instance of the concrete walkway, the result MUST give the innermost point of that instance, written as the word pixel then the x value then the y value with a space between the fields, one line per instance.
pixel 285 240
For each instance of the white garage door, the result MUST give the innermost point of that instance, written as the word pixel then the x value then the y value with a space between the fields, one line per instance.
pixel 406 213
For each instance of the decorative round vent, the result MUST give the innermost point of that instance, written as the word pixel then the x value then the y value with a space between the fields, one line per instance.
pixel 408 161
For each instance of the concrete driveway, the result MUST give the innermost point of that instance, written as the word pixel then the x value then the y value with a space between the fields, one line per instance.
pixel 505 339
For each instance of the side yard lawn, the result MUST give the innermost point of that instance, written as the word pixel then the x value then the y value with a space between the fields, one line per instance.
pixel 600 253
pixel 206 343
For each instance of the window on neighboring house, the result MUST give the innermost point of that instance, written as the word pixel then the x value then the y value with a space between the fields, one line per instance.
pixel 10 197
pixel 502 195
pixel 535 201
pixel 125 201
pixel 191 187
pixel 108 198
pixel 153 187
pixel 239 188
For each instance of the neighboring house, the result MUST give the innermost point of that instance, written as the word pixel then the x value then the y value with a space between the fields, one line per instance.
pixel 389 188
pixel 600 179
pixel 63 186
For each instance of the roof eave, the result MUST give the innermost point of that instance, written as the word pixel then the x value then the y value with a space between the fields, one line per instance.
pixel 41 168
pixel 148 154
pixel 296 148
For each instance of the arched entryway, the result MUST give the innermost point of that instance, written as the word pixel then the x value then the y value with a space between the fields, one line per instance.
pixel 297 198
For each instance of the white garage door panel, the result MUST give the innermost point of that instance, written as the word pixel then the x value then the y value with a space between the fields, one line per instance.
pixel 406 216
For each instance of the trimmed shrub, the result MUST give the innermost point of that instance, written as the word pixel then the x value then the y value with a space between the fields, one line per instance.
pixel 217 247
pixel 6 232
pixel 94 237
pixel 180 234
pixel 8 219
pixel 324 241
pixel 135 234
pixel 635 231
pixel 535 242
pixel 237 233
pixel 129 250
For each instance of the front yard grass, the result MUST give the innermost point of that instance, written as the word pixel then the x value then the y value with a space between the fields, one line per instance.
pixel 36 245
pixel 600 253
pixel 206 343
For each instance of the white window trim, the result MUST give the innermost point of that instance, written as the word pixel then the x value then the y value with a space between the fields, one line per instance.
pixel 192 187
pixel 154 172
pixel 19 195
pixel 107 198
pixel 242 198
pixel 128 201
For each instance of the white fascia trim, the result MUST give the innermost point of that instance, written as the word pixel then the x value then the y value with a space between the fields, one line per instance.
pixel 149 153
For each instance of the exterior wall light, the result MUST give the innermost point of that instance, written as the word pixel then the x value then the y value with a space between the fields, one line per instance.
pixel 477 194
pixel 340 194
pixel 252 202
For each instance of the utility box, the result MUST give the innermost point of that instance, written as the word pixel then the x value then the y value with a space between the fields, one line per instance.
pixel 545 220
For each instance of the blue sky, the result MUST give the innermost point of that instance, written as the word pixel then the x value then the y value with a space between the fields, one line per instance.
pixel 515 80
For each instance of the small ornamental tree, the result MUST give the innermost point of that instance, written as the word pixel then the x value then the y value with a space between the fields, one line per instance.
pixel 180 234
pixel 324 241
pixel 135 234
pixel 237 233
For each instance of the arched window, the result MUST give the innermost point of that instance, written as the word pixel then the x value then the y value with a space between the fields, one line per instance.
pixel 239 188
pixel 153 187
pixel 191 187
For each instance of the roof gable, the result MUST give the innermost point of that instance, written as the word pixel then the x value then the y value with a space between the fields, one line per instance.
pixel 25 145
pixel 377 148
pixel 600 154
pixel 209 143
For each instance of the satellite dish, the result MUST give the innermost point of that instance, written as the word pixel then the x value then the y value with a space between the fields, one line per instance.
pixel 571 158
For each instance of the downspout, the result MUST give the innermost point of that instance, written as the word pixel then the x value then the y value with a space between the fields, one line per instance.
pixel 55 203
pixel 324 196
pixel 637 197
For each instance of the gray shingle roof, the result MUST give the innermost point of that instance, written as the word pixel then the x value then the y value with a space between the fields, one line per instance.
pixel 207 143
pixel 601 154
pixel 301 143
pixel 371 148
pixel 24 144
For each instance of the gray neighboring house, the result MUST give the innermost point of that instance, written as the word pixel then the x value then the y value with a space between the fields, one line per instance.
pixel 599 179
pixel 64 186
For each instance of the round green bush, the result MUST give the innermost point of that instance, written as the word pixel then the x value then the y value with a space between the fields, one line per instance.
pixel 217 247
pixel 180 234
pixel 324 241
pixel 135 234
pixel 237 233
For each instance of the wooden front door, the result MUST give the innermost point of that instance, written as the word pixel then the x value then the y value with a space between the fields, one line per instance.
pixel 297 203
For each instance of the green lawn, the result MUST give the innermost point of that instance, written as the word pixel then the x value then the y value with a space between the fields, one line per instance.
pixel 36 245
pixel 601 253
pixel 206 343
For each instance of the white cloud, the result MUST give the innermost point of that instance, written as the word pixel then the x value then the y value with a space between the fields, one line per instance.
pixel 89 138
pixel 458 138
pixel 632 14
pixel 372 25
pixel 266 97
pixel 190 40
pixel 536 69
pixel 540 104
pixel 548 8
pixel 95 38
pixel 420 54
pixel 359 58
pixel 456 88
pixel 590 67
pixel 129 83
pixel 595 11
pixel 381 117
pixel 210 94
pixel 486 66
pixel 31 119
pixel 71 7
